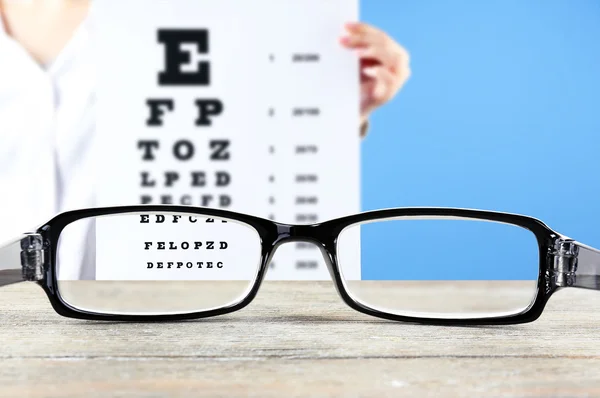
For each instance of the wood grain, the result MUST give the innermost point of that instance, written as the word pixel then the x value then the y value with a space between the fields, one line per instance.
pixel 296 339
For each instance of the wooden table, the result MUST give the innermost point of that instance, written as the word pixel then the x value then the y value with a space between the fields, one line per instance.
pixel 296 339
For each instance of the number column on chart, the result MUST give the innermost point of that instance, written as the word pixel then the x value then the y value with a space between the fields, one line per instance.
pixel 295 152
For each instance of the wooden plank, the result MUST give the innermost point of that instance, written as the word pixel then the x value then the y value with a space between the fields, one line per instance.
pixel 415 377
pixel 296 338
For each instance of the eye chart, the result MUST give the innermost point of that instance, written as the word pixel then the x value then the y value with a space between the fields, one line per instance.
pixel 250 106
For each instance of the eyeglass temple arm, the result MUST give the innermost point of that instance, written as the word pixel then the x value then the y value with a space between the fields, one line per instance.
pixel 587 274
pixel 577 265
pixel 22 259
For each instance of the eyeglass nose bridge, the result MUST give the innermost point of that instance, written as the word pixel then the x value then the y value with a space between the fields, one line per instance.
pixel 312 233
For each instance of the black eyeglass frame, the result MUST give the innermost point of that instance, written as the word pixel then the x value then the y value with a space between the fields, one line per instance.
pixel 558 257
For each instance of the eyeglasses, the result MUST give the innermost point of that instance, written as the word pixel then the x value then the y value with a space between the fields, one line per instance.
pixel 427 265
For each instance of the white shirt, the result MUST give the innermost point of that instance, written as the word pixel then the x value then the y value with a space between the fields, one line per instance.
pixel 46 129
pixel 46 124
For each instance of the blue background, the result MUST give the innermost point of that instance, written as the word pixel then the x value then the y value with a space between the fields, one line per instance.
pixel 502 112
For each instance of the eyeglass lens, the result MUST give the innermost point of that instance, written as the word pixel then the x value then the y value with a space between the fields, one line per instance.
pixel 441 267
pixel 156 264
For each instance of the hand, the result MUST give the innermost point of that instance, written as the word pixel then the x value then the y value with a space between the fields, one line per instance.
pixel 384 65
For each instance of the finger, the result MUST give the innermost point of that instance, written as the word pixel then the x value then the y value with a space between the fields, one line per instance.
pixel 384 85
pixel 398 75
pixel 354 40
pixel 364 29
pixel 363 35
pixel 389 54
pixel 380 47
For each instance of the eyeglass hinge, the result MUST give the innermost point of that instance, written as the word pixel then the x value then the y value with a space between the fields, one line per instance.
pixel 32 257
pixel 563 262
